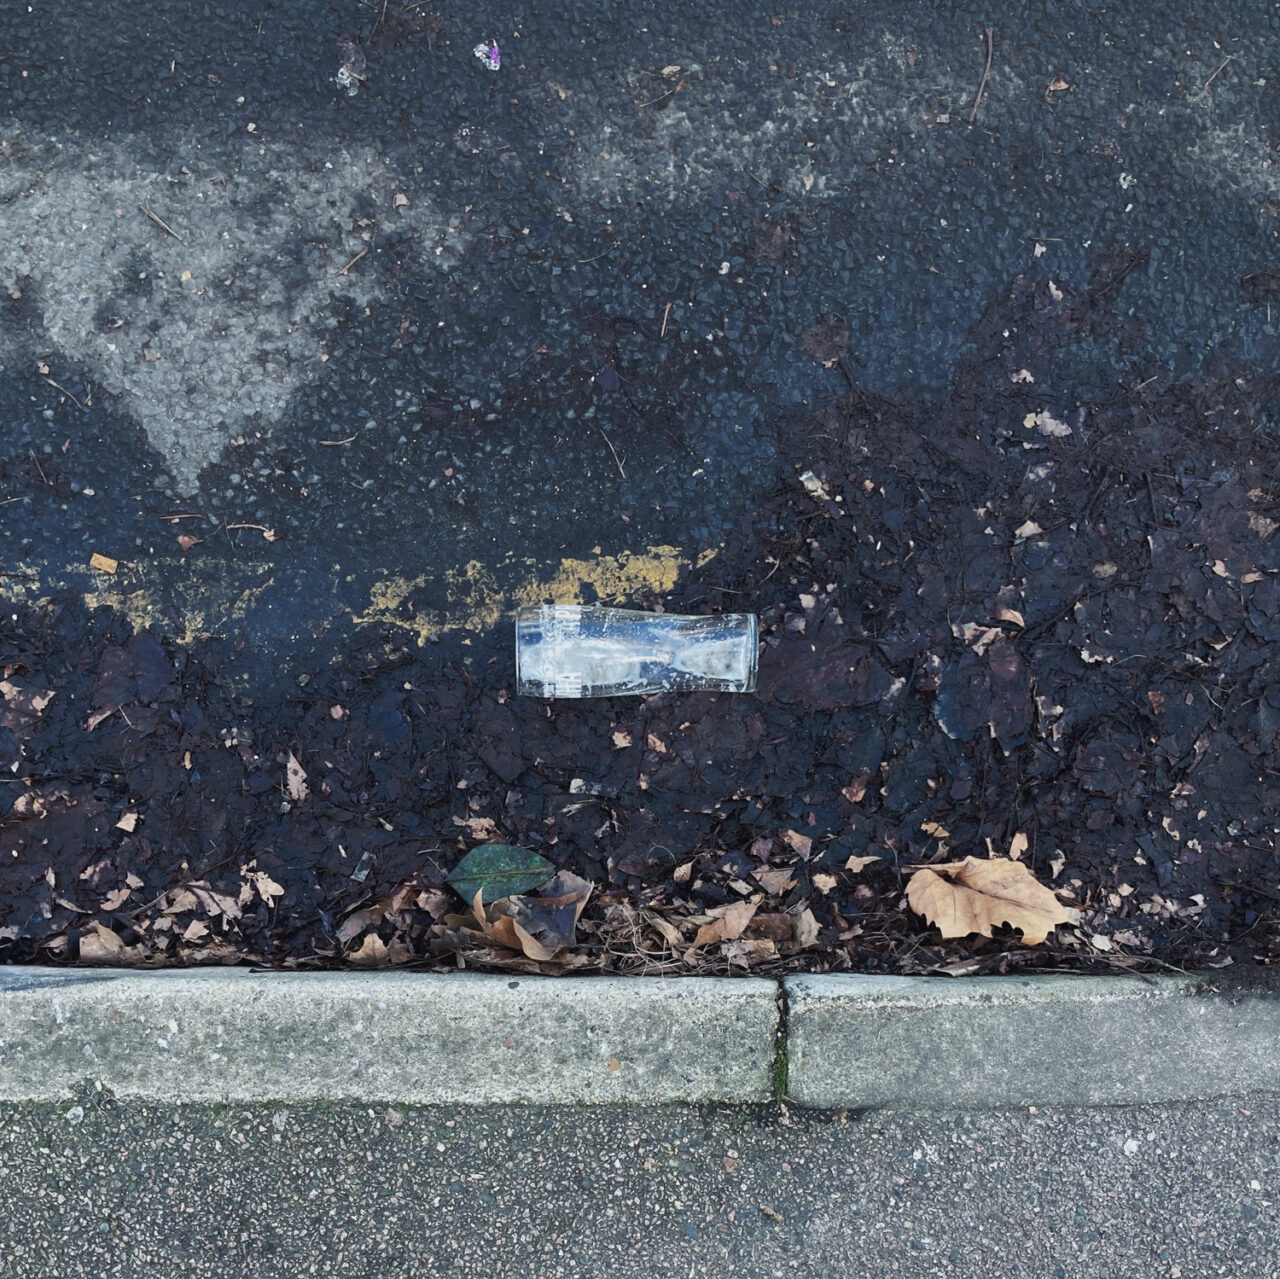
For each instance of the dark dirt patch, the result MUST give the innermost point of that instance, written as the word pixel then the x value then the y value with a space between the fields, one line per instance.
pixel 996 613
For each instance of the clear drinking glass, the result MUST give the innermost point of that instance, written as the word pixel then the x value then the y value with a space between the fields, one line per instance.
pixel 579 650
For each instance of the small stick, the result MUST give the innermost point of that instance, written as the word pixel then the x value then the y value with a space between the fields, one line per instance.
pixel 661 97
pixel 354 260
pixel 160 222
pixel 986 71
pixel 333 444
pixel 39 468
pixel 262 528
pixel 1229 58
pixel 63 389
pixel 665 313
pixel 614 451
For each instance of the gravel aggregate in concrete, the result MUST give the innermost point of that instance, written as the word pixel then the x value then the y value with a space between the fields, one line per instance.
pixel 117 1191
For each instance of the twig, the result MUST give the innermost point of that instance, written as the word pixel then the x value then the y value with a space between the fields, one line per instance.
pixel 354 260
pixel 614 451
pixel 39 468
pixel 63 389
pixel 1204 88
pixel 160 222
pixel 666 311
pixel 986 71
pixel 661 97
pixel 333 444
pixel 262 528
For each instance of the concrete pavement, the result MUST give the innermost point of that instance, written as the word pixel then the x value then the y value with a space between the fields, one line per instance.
pixel 118 1191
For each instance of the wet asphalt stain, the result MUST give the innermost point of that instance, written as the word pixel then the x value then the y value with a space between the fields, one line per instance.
pixel 459 327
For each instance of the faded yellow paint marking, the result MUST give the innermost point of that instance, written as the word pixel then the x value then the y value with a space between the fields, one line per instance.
pixel 479 602
pixel 477 597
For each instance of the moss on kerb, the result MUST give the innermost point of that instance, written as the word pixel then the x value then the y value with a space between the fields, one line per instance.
pixel 781 1057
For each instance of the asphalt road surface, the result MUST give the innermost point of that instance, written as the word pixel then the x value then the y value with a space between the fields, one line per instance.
pixel 392 340
pixel 118 1191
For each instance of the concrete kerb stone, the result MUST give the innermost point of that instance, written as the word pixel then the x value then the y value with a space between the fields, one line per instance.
pixel 232 1035
pixel 997 1042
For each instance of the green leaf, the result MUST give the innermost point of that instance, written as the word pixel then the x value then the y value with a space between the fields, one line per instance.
pixel 502 870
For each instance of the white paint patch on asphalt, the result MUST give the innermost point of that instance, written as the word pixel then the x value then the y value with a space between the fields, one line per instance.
pixel 205 333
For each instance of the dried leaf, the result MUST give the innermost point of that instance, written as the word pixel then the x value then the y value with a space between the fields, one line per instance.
pixel 100 946
pixel 195 931
pixel 773 879
pixel 1018 845
pixel 669 931
pixel 267 887
pixel 860 863
pixel 179 901
pixel 802 844
pixel 372 953
pixel 115 899
pixel 824 883
pixel 547 924
pixel 357 922
pixel 295 779
pixel 1046 424
pixel 128 822
pixel 727 923
pixel 856 789
pixel 978 894
pixel 804 929
pixel 216 903
pixel 484 828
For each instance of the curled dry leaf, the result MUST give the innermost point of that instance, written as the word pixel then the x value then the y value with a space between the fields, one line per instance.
pixel 115 899
pixel 727 922
pixel 99 945
pixel 375 953
pixel 856 789
pixel 977 894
